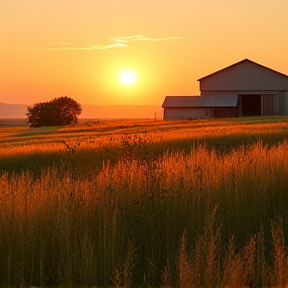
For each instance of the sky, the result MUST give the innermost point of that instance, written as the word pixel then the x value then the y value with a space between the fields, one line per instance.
pixel 78 48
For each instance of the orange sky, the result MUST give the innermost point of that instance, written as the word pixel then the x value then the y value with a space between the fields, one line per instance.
pixel 52 48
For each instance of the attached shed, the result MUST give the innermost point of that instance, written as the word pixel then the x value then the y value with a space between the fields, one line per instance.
pixel 242 89
pixel 193 107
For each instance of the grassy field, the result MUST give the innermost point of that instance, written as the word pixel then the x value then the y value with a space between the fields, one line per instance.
pixel 200 203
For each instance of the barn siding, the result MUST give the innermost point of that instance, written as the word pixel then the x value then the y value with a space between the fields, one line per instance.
pixel 245 76
pixel 196 113
pixel 283 97
pixel 268 105
pixel 239 92
pixel 223 112
pixel 278 104
pixel 183 113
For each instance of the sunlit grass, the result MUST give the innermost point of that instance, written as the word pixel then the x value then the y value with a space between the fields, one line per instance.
pixel 145 204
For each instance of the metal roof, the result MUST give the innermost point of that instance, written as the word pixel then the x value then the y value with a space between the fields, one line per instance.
pixel 200 101
pixel 240 62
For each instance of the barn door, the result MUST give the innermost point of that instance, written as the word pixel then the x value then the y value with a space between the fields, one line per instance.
pixel 268 105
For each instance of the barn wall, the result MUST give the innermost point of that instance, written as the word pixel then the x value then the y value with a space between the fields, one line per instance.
pixel 283 103
pixel 223 112
pixel 280 100
pixel 278 104
pixel 183 113
pixel 268 103
pixel 285 106
pixel 239 92
pixel 246 76
pixel 196 113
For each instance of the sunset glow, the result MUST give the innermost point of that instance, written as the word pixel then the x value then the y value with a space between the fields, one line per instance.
pixel 79 48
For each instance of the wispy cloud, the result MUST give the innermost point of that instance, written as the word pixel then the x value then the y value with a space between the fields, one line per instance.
pixel 127 39
pixel 88 48
pixel 119 42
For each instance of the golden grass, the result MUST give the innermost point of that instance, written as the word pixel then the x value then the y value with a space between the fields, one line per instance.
pixel 188 216
pixel 16 140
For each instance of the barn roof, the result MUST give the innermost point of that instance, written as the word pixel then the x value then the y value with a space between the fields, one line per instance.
pixel 239 63
pixel 200 101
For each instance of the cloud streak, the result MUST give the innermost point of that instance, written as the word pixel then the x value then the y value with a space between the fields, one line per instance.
pixel 127 39
pixel 119 42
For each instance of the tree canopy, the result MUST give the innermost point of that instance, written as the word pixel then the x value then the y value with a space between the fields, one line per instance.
pixel 57 112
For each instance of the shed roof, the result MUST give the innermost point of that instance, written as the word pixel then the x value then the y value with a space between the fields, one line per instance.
pixel 200 101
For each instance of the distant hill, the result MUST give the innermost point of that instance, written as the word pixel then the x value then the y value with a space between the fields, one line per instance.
pixel 13 110
pixel 93 111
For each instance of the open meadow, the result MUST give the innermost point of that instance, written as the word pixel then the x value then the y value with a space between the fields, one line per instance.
pixel 143 203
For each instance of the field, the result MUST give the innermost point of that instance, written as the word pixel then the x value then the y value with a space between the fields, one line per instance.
pixel 134 203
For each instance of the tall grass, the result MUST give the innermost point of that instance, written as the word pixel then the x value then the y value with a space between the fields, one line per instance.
pixel 195 218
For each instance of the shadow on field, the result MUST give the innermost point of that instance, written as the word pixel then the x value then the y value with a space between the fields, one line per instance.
pixel 37 131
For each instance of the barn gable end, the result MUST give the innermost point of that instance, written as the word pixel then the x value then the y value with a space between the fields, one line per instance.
pixel 245 75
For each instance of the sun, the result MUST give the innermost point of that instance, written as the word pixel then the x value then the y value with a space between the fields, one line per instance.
pixel 128 77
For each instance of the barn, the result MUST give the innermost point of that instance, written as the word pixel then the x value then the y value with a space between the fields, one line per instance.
pixel 245 88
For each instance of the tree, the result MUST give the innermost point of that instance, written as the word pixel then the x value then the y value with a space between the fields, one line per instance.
pixel 58 112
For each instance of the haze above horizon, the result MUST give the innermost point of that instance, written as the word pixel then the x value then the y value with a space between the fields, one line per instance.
pixel 79 48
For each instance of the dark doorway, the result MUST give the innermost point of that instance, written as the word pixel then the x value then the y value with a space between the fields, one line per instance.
pixel 251 105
